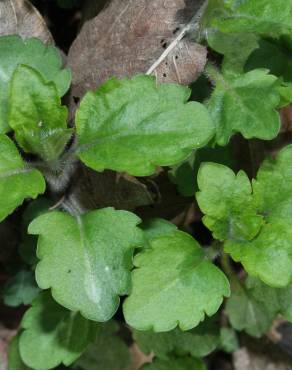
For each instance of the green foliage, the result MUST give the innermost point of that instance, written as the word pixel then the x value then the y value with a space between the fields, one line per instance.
pixel 23 182
pixel 200 285
pixel 186 363
pixel 256 231
pixel 87 259
pixel 36 114
pixel 85 254
pixel 133 125
pixel 32 52
pixel 52 335
pixel 108 352
pixel 198 342
pixel 244 103
pixel 20 289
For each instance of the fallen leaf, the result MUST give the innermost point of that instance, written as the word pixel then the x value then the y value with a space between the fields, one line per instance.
pixel 21 17
pixel 137 36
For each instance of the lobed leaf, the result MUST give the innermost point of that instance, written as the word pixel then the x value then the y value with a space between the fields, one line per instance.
pixel 52 335
pixel 90 255
pixel 179 292
pixel 254 222
pixel 17 182
pixel 245 103
pixel 133 125
pixel 36 114
pixel 32 52
pixel 14 360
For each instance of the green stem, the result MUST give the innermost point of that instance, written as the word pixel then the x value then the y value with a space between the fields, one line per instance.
pixel 229 271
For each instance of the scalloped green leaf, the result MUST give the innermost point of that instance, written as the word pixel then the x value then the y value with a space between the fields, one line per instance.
pixel 264 250
pixel 90 255
pixel 52 335
pixel 200 286
pixel 244 103
pixel 20 289
pixel 156 227
pixel 108 352
pixel 36 114
pixel 267 18
pixel 32 52
pixel 134 125
pixel 17 181
pixel 198 342
pixel 185 363
pixel 227 203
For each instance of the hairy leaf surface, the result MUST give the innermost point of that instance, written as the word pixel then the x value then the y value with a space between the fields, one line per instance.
pixel 36 114
pixel 52 335
pixel 245 103
pixel 133 125
pixel 17 182
pixel 173 285
pixel 86 260
pixel 32 52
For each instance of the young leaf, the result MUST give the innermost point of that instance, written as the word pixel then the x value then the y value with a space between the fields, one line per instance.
pixel 264 248
pixel 133 125
pixel 267 18
pixel 20 289
pixel 36 114
pixel 198 342
pixel 185 363
pixel 244 103
pixel 17 182
pixel 52 335
pixel 14 360
pixel 32 52
pixel 108 352
pixel 227 202
pixel 90 255
pixel 200 286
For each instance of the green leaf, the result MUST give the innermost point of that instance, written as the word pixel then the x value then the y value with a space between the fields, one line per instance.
pixel 253 221
pixel 36 114
pixel 236 48
pixel 32 52
pixel 244 103
pixel 90 255
pixel 52 335
pixel 17 181
pixel 272 56
pixel 157 285
pixel 156 227
pixel 228 340
pixel 267 18
pixel 252 307
pixel 198 342
pixel 14 360
pixel 186 363
pixel 184 175
pixel 20 289
pixel 108 352
pixel 227 202
pixel 133 125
